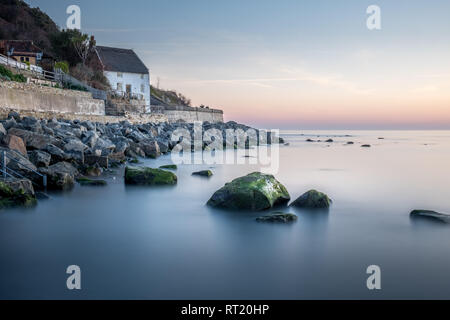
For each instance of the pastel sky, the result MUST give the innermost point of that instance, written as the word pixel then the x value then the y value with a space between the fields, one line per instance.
pixel 288 63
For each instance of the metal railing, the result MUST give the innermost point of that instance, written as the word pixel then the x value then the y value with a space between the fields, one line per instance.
pixel 126 95
pixel 63 77
pixel 19 65
pixel 15 174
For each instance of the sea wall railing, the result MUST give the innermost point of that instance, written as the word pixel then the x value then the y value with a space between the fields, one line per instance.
pixel 8 172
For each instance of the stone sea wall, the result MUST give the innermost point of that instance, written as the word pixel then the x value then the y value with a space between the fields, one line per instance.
pixel 189 114
pixel 130 117
pixel 30 97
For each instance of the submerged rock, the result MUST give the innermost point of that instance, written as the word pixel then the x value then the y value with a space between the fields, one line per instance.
pixel 90 182
pixel 312 199
pixel 169 166
pixel 255 191
pixel 278 217
pixel 149 176
pixel 11 197
pixel 429 214
pixel 203 173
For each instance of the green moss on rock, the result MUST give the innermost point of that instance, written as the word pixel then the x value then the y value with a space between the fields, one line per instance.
pixel 255 191
pixel 91 182
pixel 169 166
pixel 10 198
pixel 149 176
pixel 203 173
pixel 278 217
pixel 312 199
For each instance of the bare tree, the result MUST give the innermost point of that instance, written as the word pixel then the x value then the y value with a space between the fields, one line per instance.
pixel 83 46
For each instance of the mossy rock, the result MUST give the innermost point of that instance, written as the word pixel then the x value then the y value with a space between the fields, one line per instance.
pixel 134 160
pixel 149 176
pixel 312 199
pixel 91 182
pixel 278 217
pixel 255 191
pixel 10 198
pixel 203 173
pixel 169 166
pixel 429 214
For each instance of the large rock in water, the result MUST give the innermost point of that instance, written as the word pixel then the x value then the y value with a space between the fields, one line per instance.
pixel 16 194
pixel 432 215
pixel 312 199
pixel 149 176
pixel 60 176
pixel 255 191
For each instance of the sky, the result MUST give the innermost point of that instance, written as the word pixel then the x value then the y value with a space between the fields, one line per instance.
pixel 288 64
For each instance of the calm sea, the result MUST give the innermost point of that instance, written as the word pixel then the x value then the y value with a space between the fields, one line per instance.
pixel 164 243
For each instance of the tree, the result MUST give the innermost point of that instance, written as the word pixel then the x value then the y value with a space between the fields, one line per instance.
pixel 83 45
pixel 63 47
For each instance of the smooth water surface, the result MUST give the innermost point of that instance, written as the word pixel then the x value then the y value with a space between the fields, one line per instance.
pixel 165 243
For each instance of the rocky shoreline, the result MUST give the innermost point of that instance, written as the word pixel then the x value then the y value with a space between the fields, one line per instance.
pixel 67 151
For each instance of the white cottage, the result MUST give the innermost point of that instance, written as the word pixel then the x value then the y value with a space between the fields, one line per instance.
pixel 126 73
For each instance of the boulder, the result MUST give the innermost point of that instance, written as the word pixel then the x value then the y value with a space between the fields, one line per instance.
pixel 34 140
pixel 163 144
pixel 57 155
pixel 21 184
pixel 203 173
pixel 278 217
pixel 255 191
pixel 365 146
pixel 89 138
pixel 149 176
pixel 10 123
pixel 102 161
pixel 15 143
pixel 150 148
pixel 312 199
pixel 14 115
pixel 75 148
pixel 18 163
pixel 137 136
pixel 60 176
pixel 105 146
pixel 40 158
pixel 2 131
pixel 432 215
pixel 13 195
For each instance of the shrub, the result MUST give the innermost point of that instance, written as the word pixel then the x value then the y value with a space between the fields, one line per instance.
pixel 63 65
pixel 19 78
pixel 5 72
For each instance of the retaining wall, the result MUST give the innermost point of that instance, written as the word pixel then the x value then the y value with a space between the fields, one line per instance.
pixel 27 96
